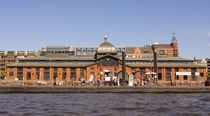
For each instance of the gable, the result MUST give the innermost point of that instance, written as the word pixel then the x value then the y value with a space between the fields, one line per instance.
pixel 107 61
pixel 137 52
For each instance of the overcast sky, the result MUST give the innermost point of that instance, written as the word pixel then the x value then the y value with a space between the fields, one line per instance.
pixel 32 24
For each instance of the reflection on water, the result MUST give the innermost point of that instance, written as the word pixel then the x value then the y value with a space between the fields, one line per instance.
pixel 105 104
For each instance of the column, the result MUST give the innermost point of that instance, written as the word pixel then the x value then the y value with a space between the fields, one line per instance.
pixel 77 74
pixel 51 74
pixel 41 74
pixel 205 73
pixel 60 74
pixel 189 77
pixel 173 72
pixel 68 74
pixel 198 76
pixel 164 74
pixel 119 67
pixel 33 74
pixel 87 73
pixel 24 74
pixel 95 72
pixel 15 73
pixel 8 74
pixel 181 77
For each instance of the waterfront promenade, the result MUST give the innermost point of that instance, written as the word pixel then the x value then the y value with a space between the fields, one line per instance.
pixel 104 89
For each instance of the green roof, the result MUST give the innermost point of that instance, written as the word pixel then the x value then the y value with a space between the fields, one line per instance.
pixel 166 65
pixel 57 58
pixel 160 59
pixel 48 64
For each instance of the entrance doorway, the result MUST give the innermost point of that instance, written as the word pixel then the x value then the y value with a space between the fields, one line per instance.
pixel 119 75
pixel 108 75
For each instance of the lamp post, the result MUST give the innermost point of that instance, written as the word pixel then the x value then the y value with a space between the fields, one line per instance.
pixel 155 61
pixel 0 72
pixel 123 67
pixel 100 69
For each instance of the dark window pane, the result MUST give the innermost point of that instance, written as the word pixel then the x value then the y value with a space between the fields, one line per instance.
pixel 73 74
pixel 46 74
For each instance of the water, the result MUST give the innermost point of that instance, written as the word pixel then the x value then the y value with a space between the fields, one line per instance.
pixel 105 104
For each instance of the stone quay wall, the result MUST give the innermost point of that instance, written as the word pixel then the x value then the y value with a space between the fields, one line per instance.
pixel 122 89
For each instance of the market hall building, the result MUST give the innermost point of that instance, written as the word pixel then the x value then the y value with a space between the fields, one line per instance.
pixel 67 65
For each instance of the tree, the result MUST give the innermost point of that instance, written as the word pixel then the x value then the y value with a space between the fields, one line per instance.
pixel 208 75
pixel 2 75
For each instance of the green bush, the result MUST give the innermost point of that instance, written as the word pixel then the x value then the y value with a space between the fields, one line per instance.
pixel 3 74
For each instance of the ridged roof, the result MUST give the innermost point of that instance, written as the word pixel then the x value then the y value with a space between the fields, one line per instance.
pixel 162 45
pixel 49 64
pixel 67 58
pixel 166 64
pixel 85 64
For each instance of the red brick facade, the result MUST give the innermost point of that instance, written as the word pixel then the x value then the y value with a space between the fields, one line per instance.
pixel 201 71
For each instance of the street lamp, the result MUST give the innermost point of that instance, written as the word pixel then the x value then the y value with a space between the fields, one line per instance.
pixel 155 61
pixel 100 69
pixel 123 66
pixel 154 58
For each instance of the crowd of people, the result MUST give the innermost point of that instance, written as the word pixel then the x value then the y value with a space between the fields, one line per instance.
pixel 113 81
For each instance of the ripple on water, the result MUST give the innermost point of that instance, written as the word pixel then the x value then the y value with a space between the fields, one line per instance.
pixel 3 113
pixel 206 99
pixel 188 114
pixel 126 108
pixel 105 104
pixel 27 114
pixel 161 110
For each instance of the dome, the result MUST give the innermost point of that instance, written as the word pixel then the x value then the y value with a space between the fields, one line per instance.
pixel 106 47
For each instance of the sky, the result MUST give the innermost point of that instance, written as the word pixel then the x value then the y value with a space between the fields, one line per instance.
pixel 29 25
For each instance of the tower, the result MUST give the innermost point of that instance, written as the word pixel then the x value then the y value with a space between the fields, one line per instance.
pixel 174 45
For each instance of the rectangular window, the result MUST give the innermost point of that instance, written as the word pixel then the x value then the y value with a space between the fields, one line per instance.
pixel 64 74
pixel 11 72
pixel 82 72
pixel 37 74
pixel 73 74
pixel 46 74
pixel 168 74
pixel 142 71
pixel 159 70
pixel 175 53
pixel 193 70
pixel 28 74
pixel 55 73
pixel 202 74
pixel 159 76
pixel 20 73
pixel 185 77
pixel 177 76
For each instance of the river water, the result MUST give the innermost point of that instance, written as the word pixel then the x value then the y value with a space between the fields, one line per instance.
pixel 105 104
